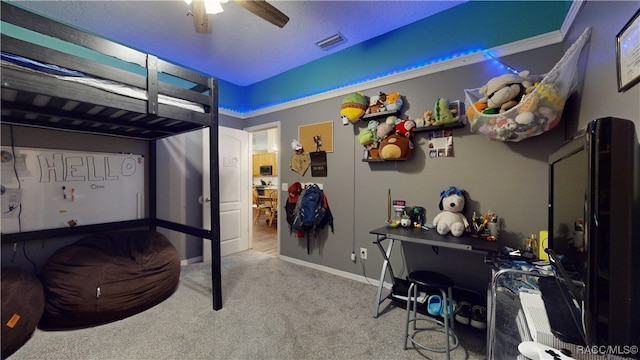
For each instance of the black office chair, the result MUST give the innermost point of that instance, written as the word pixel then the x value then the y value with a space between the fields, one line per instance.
pixel 430 280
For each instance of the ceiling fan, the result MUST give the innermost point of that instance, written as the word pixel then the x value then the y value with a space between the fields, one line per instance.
pixel 202 11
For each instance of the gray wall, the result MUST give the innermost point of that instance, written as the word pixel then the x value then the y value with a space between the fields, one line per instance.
pixel 508 178
pixel 599 95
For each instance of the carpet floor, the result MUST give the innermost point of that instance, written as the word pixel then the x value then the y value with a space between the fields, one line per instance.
pixel 272 309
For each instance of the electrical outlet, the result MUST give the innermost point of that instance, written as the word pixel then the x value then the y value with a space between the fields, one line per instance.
pixel 353 256
pixel 363 253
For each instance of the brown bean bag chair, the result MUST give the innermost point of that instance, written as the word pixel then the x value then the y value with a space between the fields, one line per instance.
pixel 107 277
pixel 22 307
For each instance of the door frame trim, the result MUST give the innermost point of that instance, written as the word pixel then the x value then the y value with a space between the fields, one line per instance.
pixel 250 130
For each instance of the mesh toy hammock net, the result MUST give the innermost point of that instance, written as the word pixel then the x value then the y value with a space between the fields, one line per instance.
pixel 537 112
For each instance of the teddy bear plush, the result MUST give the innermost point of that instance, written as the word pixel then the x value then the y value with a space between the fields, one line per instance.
pixel 451 217
pixel 395 147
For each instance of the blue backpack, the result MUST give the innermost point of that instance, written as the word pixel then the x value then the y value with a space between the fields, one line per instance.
pixel 312 212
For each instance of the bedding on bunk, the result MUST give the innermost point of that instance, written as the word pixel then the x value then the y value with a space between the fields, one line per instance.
pixel 61 73
pixel 107 277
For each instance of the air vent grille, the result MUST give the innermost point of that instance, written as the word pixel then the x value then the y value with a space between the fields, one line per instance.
pixel 331 41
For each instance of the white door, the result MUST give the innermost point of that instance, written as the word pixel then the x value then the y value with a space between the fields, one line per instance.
pixel 233 148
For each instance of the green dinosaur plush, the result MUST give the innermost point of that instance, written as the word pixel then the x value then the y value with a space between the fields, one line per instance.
pixel 442 113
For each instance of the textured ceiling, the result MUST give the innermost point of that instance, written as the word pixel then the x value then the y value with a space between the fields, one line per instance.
pixel 243 49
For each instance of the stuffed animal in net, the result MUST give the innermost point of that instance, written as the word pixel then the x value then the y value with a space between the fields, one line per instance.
pixel 451 217
pixel 505 91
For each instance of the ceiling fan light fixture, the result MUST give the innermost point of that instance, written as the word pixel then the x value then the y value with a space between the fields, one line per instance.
pixel 212 7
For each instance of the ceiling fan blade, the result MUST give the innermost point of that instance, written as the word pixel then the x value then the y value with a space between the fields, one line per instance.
pixel 202 21
pixel 266 11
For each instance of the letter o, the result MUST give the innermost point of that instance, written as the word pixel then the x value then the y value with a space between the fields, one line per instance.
pixel 128 167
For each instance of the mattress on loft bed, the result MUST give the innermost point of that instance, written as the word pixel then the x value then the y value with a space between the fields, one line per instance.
pixel 61 73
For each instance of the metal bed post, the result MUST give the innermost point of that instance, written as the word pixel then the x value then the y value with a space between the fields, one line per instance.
pixel 153 203
pixel 214 175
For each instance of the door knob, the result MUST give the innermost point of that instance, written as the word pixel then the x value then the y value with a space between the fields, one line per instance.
pixel 203 200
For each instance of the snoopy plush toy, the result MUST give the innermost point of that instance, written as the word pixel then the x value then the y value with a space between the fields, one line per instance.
pixel 451 217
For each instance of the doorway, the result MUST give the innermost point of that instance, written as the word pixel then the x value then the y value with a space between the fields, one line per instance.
pixel 265 187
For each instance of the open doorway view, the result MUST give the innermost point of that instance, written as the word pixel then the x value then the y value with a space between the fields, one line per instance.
pixel 265 191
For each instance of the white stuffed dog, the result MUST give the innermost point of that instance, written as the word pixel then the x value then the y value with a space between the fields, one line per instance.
pixel 451 218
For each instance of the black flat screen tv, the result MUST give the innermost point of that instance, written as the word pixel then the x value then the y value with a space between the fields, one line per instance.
pixel 594 221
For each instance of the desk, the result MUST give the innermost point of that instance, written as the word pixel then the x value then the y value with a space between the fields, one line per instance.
pixel 426 237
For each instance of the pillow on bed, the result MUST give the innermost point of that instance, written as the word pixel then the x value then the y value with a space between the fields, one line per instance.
pixel 107 277
pixel 22 307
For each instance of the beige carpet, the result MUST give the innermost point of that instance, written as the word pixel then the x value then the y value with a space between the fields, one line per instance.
pixel 272 309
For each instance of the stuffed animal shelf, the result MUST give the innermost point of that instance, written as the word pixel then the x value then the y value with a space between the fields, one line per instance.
pixel 451 217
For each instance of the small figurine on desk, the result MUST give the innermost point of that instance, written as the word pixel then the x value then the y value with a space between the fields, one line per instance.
pixel 405 221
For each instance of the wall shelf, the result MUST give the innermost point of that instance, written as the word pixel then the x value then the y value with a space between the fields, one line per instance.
pixel 460 124
pixel 379 115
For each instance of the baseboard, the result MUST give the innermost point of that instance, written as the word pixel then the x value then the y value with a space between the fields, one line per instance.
pixel 337 272
pixel 191 260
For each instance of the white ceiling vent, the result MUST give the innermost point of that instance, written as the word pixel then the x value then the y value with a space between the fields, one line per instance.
pixel 331 41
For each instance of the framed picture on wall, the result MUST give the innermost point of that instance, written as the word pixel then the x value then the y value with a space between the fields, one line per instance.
pixel 628 53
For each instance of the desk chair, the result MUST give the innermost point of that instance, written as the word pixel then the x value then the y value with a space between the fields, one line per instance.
pixel 432 280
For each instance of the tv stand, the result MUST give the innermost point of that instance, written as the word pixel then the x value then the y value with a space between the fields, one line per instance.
pixel 506 325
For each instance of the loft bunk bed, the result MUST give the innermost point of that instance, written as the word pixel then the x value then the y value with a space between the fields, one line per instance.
pixel 47 88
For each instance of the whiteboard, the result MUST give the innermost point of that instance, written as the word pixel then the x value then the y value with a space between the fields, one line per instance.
pixel 46 189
